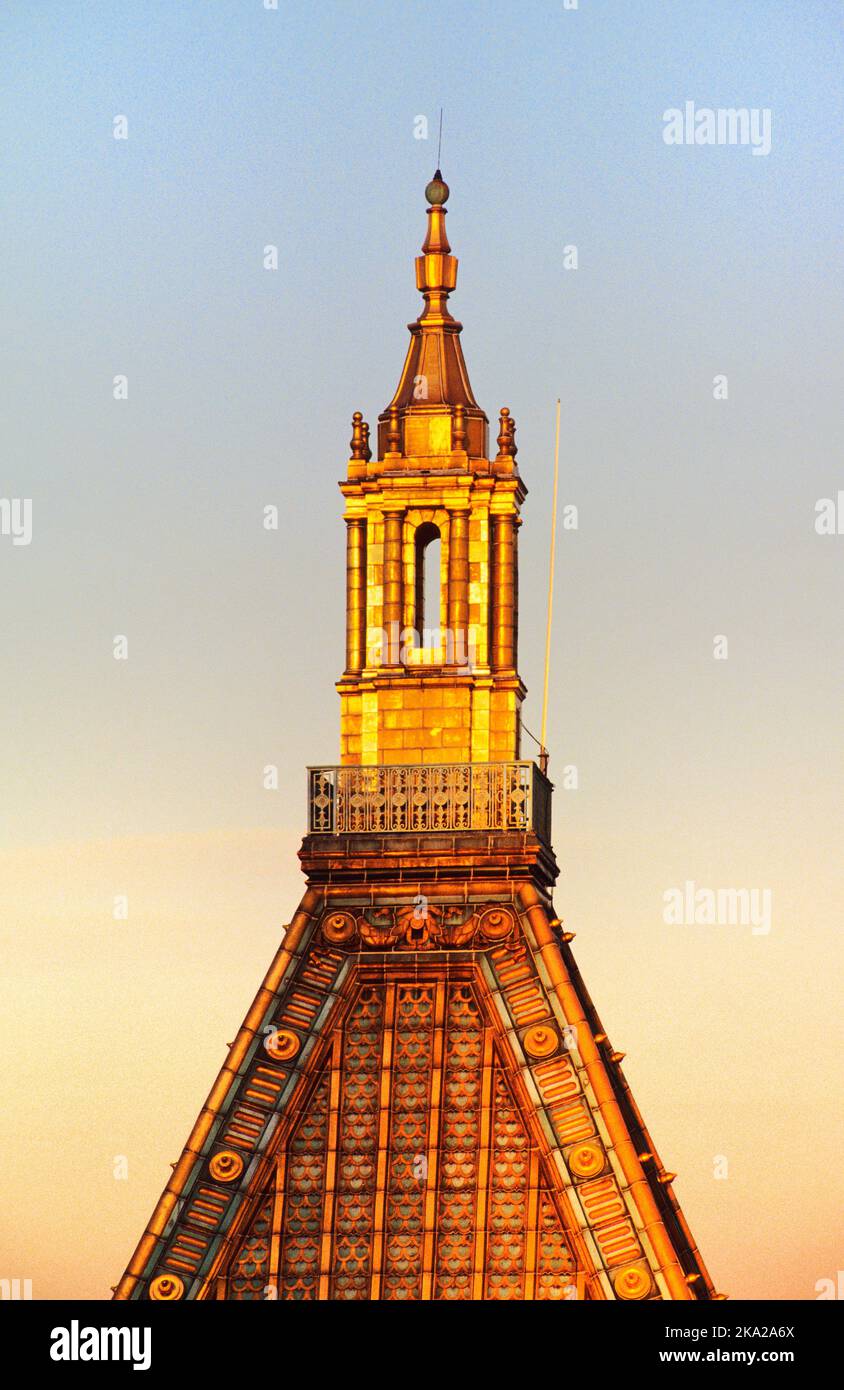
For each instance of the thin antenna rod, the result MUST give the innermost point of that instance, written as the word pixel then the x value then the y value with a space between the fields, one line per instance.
pixel 543 748
pixel 440 142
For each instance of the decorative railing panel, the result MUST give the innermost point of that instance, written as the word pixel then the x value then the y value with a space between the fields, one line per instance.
pixel 440 797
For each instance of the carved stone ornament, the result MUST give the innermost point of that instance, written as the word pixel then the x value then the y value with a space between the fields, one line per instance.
pixel 632 1282
pixel 586 1160
pixel 226 1166
pixel 541 1040
pixel 166 1288
pixel 418 926
pixel 282 1044
pixel 339 928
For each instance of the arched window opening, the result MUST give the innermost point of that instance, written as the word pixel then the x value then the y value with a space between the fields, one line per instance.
pixel 428 584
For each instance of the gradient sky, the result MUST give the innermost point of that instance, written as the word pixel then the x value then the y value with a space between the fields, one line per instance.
pixel 696 518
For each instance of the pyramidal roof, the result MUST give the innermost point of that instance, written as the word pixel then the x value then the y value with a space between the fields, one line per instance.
pixel 419 1109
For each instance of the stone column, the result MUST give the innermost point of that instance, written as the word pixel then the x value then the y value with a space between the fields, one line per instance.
pixel 458 585
pixel 392 584
pixel 503 618
pixel 355 594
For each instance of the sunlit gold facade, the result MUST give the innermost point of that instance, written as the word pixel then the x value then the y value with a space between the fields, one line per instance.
pixel 444 686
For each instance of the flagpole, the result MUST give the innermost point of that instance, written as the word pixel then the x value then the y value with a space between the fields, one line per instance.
pixel 543 749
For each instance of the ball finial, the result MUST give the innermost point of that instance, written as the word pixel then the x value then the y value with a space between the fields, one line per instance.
pixel 437 191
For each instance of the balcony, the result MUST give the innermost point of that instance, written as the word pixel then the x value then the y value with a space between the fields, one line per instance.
pixel 442 797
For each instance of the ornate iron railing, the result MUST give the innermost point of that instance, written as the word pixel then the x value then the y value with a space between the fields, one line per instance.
pixel 442 797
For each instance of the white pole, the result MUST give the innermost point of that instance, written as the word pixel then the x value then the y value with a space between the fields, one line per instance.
pixel 543 749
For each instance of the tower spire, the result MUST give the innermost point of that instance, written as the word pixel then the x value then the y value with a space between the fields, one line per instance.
pixel 434 379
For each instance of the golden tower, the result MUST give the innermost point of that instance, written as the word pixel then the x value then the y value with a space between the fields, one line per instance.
pixel 422 1102
pixel 424 687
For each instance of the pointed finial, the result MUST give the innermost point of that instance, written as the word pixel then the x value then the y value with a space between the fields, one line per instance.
pixel 434 378
pixel 437 191
pixel 507 435
pixel 367 452
pixel 394 431
pixel 356 444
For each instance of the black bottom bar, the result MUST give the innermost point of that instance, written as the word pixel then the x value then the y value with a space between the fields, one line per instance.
pixel 393 1341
